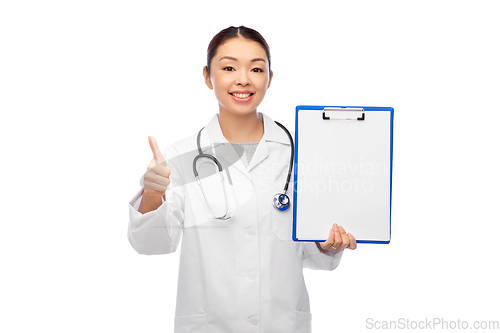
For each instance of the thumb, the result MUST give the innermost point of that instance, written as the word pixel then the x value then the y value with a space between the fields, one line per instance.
pixel 156 151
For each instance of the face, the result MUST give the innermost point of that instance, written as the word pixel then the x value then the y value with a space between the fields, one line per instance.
pixel 239 76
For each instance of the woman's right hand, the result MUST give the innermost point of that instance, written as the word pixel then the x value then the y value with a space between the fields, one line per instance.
pixel 156 178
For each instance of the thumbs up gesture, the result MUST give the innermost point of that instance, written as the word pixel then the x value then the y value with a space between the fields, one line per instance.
pixel 156 178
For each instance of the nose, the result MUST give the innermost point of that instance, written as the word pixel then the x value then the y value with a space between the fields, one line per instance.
pixel 243 79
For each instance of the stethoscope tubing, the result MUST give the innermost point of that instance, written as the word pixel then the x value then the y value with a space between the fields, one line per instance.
pixel 281 201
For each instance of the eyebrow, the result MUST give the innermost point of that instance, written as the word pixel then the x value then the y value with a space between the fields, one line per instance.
pixel 231 58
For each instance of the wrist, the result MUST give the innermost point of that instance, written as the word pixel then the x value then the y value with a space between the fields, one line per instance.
pixel 319 247
pixel 152 193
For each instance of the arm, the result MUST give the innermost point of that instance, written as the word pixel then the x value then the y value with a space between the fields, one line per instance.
pixel 158 231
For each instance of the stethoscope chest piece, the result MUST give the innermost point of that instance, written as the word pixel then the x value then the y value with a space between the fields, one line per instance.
pixel 281 202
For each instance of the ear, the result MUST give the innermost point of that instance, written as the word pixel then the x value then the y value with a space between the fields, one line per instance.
pixel 208 82
pixel 270 79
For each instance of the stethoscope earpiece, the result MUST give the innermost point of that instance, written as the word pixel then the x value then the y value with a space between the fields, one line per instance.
pixel 281 202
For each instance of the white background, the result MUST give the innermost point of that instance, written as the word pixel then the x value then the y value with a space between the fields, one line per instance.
pixel 84 83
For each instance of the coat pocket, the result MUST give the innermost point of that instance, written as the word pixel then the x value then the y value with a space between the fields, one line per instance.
pixel 191 324
pixel 302 322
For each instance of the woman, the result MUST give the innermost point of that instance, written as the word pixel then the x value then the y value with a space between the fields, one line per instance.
pixel 241 272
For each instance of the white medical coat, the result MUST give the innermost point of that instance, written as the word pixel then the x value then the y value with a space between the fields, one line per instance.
pixel 238 275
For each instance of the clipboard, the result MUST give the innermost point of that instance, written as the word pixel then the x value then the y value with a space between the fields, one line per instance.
pixel 343 172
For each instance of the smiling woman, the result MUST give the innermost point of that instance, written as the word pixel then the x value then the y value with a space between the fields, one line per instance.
pixel 238 70
pixel 239 271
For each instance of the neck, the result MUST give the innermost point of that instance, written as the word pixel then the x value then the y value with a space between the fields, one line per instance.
pixel 241 128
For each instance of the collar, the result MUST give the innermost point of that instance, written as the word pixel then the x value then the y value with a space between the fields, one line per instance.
pixel 272 132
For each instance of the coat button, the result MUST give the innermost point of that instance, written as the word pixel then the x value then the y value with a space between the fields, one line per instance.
pixel 254 321
pixel 251 232
pixel 252 275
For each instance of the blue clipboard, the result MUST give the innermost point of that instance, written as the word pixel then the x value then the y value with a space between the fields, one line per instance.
pixel 343 172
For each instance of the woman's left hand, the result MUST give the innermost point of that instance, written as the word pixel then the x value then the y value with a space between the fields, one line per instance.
pixel 338 240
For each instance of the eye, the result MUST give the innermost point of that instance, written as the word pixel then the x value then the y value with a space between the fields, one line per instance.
pixel 257 70
pixel 228 68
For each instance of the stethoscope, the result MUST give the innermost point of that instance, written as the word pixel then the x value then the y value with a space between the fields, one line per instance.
pixel 281 201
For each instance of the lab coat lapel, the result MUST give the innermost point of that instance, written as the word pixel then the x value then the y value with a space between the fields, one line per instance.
pixel 272 133
pixel 262 150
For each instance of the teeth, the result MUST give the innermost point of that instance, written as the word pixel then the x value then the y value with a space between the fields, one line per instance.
pixel 242 95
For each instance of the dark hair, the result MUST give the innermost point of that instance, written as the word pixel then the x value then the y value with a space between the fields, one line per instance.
pixel 232 32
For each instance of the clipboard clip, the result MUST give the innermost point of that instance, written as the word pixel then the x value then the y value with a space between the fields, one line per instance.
pixel 343 109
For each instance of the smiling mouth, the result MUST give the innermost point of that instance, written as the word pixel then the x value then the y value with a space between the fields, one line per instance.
pixel 238 95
